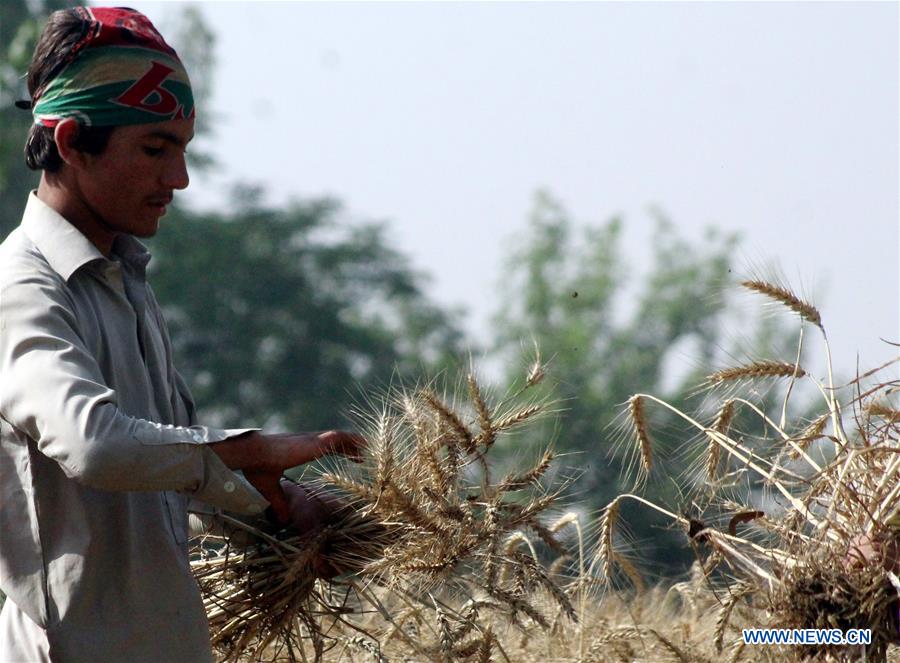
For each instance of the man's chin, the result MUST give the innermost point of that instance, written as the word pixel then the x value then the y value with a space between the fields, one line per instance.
pixel 147 230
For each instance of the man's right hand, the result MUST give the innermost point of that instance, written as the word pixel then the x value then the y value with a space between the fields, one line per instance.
pixel 264 458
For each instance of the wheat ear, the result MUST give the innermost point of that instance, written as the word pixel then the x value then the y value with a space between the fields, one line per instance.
pixel 642 432
pixel 784 296
pixel 450 418
pixel 517 417
pixel 809 435
pixel 485 646
pixel 757 369
pixel 485 420
pixel 605 551
pixel 724 615
pixel 713 450
pixel 517 482
pixel 882 411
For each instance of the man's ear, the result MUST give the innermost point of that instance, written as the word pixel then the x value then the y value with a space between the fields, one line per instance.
pixel 64 136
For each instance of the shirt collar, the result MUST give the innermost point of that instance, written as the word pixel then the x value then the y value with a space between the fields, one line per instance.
pixel 132 252
pixel 66 248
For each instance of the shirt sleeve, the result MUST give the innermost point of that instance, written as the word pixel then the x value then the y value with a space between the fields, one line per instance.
pixel 52 389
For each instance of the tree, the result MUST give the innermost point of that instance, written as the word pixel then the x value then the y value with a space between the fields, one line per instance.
pixel 601 349
pixel 20 25
pixel 277 313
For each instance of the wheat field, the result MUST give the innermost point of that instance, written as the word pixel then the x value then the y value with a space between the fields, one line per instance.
pixel 437 556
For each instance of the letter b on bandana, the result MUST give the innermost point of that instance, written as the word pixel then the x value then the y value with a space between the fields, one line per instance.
pixel 147 94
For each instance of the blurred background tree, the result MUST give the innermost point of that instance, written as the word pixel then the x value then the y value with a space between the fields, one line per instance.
pixel 607 335
pixel 21 23
pixel 276 313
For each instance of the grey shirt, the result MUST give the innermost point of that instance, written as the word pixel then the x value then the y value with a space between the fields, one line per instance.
pixel 99 452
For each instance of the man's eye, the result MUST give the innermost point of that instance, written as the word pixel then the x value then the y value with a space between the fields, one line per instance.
pixel 153 151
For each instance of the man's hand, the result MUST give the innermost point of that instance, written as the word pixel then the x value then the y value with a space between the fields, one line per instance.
pixel 264 458
pixel 310 510
pixel 867 550
pixel 310 507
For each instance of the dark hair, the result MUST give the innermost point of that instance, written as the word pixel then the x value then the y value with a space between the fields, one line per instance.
pixel 64 29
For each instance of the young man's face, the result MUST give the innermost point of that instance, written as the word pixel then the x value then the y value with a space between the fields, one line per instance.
pixel 129 185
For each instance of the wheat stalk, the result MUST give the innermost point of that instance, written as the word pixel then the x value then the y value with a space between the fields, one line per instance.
pixel 425 527
pixel 517 417
pixel 713 449
pixel 883 411
pixel 485 419
pixel 784 296
pixel 757 369
pixel 641 432
pixel 606 554
pixel 809 435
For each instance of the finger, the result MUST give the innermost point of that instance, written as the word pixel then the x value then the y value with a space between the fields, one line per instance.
pixel 330 506
pixel 270 488
pixel 297 449
pixel 351 446
pixel 279 506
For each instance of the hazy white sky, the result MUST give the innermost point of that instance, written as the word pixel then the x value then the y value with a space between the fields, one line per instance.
pixel 776 120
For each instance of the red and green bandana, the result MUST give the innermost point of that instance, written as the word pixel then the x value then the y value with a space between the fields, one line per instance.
pixel 121 72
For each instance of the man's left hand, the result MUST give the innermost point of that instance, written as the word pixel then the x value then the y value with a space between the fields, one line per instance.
pixel 310 510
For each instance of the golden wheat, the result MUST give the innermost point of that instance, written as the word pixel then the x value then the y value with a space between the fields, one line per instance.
pixel 757 369
pixel 441 562
pixel 796 562
pixel 641 431
pixel 420 524
pixel 804 309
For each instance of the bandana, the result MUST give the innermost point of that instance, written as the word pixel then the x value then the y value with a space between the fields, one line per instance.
pixel 120 72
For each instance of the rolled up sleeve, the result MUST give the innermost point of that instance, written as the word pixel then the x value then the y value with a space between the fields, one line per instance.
pixel 53 390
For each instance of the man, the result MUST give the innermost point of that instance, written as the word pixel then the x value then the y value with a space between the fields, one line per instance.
pixel 100 451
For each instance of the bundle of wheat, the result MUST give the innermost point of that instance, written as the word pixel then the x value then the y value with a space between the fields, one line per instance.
pixel 426 521
pixel 260 590
pixel 799 555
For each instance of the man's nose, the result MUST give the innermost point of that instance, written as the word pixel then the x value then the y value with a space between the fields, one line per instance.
pixel 176 174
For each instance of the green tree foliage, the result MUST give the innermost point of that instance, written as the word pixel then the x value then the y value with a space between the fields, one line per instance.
pixel 606 338
pixel 21 23
pixel 277 313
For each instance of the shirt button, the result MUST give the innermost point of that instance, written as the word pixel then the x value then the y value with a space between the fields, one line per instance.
pixel 229 486
pixel 198 437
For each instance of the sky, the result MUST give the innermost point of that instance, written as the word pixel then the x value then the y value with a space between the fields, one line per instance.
pixel 778 121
